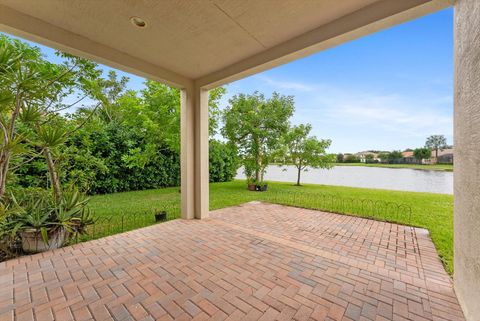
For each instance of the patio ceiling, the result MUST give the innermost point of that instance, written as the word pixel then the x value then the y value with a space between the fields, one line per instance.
pixel 207 41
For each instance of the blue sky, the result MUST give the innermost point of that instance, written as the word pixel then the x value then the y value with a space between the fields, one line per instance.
pixel 386 91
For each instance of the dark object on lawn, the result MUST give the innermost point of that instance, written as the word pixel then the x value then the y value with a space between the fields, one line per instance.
pixel 262 188
pixel 160 216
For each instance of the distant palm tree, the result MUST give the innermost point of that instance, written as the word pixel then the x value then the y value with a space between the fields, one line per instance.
pixel 436 142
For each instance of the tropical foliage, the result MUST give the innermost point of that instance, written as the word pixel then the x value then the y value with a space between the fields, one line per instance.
pixel 114 140
pixel 67 130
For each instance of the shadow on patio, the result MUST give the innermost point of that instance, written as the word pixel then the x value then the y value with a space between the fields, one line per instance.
pixel 257 261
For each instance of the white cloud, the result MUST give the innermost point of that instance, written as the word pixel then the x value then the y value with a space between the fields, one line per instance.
pixel 281 84
pixel 392 113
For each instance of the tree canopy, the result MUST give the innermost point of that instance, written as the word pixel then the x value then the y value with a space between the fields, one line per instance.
pixel 436 143
pixel 32 93
pixel 304 151
pixel 255 125
pixel 395 156
pixel 422 153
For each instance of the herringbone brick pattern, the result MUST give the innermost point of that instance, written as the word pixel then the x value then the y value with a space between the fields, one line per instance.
pixel 252 262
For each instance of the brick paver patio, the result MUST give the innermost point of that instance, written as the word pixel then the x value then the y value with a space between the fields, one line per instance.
pixel 252 262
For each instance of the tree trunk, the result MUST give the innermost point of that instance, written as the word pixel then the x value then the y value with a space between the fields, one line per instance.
pixel 257 161
pixel 4 164
pixel 298 176
pixel 9 134
pixel 257 169
pixel 52 171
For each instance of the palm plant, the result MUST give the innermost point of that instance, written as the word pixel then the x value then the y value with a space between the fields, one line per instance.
pixel 32 92
pixel 49 138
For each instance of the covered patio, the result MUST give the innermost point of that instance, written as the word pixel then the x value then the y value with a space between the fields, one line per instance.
pixel 257 261
pixel 271 261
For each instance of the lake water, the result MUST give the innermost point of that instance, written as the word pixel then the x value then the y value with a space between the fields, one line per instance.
pixel 402 179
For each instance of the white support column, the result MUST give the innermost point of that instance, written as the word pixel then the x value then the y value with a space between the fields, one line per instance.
pixel 194 153
pixel 187 152
pixel 467 156
pixel 201 154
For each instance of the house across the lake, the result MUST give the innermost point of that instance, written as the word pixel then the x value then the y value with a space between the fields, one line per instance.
pixel 409 158
pixel 368 157
pixel 445 156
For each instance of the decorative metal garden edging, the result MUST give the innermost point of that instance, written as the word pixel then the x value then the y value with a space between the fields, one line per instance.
pixel 368 208
pixel 123 222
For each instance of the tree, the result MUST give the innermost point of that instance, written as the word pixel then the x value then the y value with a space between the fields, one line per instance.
pixel 214 113
pixel 33 91
pixel 304 151
pixel 255 125
pixel 112 90
pixel 340 158
pixel 422 153
pixel 369 158
pixel 436 142
pixel 395 157
pixel 383 156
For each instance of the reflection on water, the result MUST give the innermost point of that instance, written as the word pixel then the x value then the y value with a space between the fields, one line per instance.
pixel 403 179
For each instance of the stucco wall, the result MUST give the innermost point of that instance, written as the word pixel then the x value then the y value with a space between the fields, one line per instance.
pixel 467 156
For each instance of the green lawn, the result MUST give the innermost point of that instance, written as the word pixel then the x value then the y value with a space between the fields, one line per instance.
pixel 436 167
pixel 432 211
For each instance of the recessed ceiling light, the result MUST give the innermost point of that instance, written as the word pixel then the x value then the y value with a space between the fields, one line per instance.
pixel 138 22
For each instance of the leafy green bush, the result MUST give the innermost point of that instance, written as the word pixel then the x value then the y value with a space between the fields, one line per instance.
pixel 224 161
pixel 108 159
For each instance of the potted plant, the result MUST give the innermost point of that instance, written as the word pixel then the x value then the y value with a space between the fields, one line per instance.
pixel 251 184
pixel 248 169
pixel 262 186
pixel 43 223
pixel 43 239
pixel 35 224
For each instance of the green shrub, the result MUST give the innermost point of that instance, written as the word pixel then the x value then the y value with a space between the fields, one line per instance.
pixel 102 161
pixel 223 161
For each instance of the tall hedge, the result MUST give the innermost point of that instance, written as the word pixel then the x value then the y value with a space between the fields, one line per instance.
pixel 94 159
pixel 223 160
